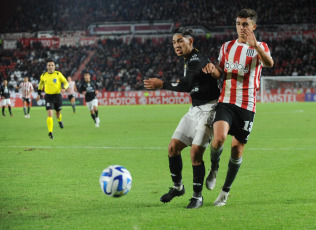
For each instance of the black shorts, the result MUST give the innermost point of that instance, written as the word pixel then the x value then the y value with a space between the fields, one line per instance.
pixel 28 100
pixel 70 97
pixel 240 120
pixel 53 101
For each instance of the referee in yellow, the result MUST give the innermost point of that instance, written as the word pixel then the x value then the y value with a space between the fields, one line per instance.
pixel 52 82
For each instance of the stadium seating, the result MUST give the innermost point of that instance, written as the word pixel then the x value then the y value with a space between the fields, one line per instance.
pixel 120 66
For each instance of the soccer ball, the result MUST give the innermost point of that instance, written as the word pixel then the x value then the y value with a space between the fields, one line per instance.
pixel 115 181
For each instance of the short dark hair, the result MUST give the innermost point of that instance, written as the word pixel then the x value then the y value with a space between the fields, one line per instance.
pixel 184 31
pixel 248 13
pixel 50 60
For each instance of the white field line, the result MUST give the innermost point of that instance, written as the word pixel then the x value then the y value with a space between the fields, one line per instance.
pixel 144 148
pixel 77 147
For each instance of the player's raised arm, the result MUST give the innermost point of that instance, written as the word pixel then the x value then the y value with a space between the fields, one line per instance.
pixel 264 55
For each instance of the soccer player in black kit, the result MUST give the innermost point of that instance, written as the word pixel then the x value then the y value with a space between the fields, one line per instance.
pixel 5 98
pixel 90 90
pixel 194 128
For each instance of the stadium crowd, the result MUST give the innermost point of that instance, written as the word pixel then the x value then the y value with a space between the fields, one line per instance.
pixel 61 15
pixel 118 66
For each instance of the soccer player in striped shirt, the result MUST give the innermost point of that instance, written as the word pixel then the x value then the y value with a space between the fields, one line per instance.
pixel 239 67
pixel 52 82
pixel 71 93
pixel 26 90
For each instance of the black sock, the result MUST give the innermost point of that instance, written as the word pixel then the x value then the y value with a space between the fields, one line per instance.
pixel 93 117
pixel 198 179
pixel 28 110
pixel 3 110
pixel 215 157
pixel 233 167
pixel 9 109
pixel 96 113
pixel 24 110
pixel 175 166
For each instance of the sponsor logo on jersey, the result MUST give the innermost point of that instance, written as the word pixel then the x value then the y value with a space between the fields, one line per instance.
pixel 194 58
pixel 236 66
pixel 54 80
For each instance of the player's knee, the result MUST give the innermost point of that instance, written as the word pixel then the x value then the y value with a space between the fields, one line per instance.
pixel 173 149
pixel 219 140
pixel 196 153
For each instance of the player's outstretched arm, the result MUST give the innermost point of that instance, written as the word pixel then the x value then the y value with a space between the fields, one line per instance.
pixel 153 83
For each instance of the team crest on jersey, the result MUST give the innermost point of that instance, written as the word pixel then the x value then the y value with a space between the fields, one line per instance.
pixel 250 52
pixel 54 80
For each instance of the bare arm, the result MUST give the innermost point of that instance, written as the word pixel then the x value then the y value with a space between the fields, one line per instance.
pixel 265 58
pixel 153 83
pixel 215 71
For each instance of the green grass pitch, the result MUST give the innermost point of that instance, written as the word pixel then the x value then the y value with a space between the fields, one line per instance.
pixel 54 184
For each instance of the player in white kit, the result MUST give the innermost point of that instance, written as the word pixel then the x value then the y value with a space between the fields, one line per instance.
pixel 71 93
pixel 26 90
pixel 239 66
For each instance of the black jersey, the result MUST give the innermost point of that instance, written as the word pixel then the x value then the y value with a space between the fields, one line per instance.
pixel 90 88
pixel 202 87
pixel 4 92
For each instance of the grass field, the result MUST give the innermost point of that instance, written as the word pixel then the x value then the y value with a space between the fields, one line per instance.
pixel 54 184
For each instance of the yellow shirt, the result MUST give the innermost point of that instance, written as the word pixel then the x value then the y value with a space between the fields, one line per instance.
pixel 52 82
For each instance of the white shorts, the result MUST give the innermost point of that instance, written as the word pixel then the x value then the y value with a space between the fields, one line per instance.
pixel 92 103
pixel 6 102
pixel 195 126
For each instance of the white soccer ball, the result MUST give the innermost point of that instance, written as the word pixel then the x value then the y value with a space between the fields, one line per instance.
pixel 115 181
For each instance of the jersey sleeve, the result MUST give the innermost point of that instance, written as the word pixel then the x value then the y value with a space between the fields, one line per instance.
pixel 63 80
pixel 221 57
pixel 265 48
pixel 182 86
pixel 82 87
pixel 185 84
pixel 41 83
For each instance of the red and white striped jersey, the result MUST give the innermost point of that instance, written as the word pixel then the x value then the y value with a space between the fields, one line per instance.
pixel 242 69
pixel 26 89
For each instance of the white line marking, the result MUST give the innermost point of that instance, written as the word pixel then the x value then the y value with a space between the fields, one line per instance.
pixel 79 147
pixel 152 148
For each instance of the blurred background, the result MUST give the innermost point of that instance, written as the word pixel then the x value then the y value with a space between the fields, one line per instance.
pixel 122 42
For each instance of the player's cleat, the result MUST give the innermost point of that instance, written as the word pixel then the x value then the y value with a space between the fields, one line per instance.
pixel 97 120
pixel 50 134
pixel 211 179
pixel 11 115
pixel 3 115
pixel 195 202
pixel 25 116
pixel 221 199
pixel 61 124
pixel 97 125
pixel 172 194
pixel 28 116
